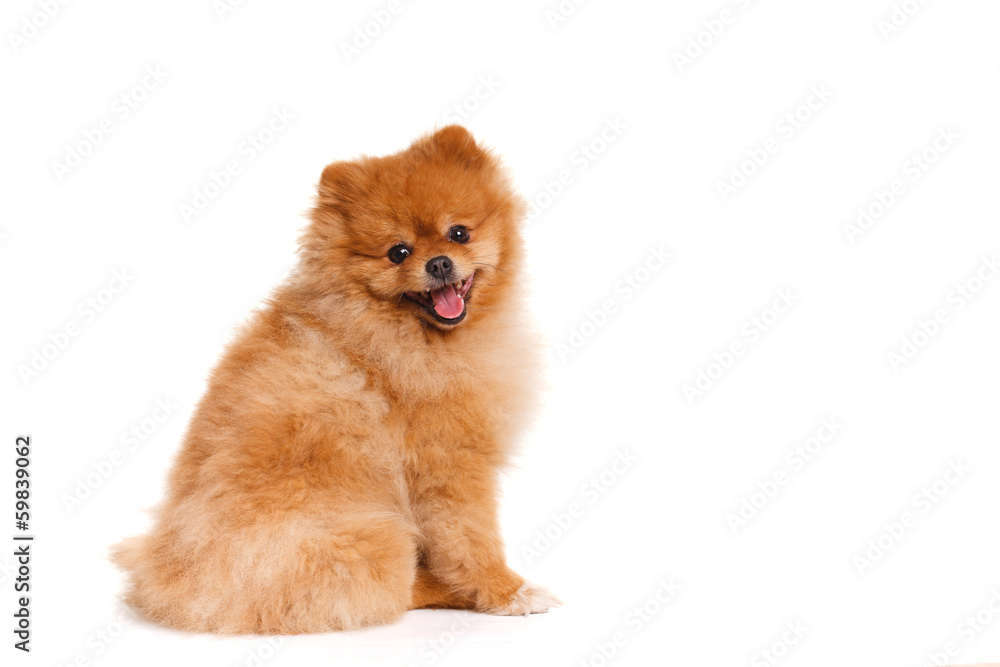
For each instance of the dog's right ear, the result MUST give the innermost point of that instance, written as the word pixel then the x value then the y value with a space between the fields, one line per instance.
pixel 340 183
pixel 457 144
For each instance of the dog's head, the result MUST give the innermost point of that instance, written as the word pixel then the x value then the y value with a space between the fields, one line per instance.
pixel 431 232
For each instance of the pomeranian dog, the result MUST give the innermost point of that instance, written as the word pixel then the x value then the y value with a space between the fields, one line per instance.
pixel 342 467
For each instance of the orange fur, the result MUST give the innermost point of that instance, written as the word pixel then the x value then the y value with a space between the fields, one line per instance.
pixel 342 466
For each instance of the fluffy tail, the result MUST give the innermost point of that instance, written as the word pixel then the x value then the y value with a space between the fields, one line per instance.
pixel 127 553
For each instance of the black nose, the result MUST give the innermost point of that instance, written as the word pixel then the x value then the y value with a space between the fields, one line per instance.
pixel 439 267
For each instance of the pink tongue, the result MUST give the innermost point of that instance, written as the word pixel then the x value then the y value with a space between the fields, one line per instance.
pixel 447 303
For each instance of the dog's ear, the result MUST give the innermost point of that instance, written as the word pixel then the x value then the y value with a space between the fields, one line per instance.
pixel 341 183
pixel 341 193
pixel 455 143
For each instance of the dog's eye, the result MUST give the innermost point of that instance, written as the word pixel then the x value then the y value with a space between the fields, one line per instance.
pixel 398 253
pixel 458 234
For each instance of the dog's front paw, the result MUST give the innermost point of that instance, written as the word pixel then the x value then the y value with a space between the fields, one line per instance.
pixel 528 599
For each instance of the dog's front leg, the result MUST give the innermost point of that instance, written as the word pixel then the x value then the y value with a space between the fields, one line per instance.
pixel 463 548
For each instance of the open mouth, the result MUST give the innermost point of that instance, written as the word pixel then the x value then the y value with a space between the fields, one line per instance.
pixel 446 304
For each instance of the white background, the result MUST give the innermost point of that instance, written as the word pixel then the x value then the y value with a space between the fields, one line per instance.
pixel 676 130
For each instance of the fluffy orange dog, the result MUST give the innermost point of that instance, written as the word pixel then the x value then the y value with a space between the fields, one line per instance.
pixel 342 467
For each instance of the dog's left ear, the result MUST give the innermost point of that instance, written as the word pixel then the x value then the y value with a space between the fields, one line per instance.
pixel 456 142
